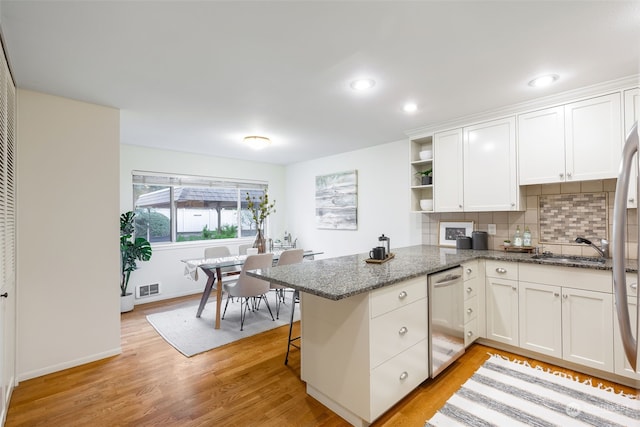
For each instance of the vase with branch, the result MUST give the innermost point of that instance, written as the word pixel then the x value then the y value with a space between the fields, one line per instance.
pixel 260 209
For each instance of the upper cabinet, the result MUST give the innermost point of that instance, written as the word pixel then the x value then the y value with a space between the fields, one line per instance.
pixel 632 115
pixel 447 147
pixel 574 142
pixel 490 166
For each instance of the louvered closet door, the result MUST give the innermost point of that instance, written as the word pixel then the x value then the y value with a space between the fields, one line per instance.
pixel 7 235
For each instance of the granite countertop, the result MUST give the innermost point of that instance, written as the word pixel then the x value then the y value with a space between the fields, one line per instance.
pixel 345 276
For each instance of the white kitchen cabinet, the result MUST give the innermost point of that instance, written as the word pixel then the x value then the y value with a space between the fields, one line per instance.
pixel 490 166
pixel 632 115
pixel 573 302
pixel 593 138
pixel 474 301
pixel 587 326
pixel 502 302
pixel 541 154
pixel 573 142
pixel 540 318
pixel 362 354
pixel 447 173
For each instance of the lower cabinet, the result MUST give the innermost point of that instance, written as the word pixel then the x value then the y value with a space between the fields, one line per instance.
pixel 474 301
pixel 502 302
pixel 574 321
pixel 363 354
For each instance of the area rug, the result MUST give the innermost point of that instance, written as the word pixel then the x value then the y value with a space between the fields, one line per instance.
pixel 512 393
pixel 191 335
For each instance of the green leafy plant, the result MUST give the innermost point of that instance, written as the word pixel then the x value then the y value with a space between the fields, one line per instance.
pixel 425 172
pixel 132 249
pixel 260 209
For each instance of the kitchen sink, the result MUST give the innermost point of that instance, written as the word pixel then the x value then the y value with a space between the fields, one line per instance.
pixel 570 259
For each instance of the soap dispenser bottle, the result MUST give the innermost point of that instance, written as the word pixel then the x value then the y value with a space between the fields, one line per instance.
pixel 526 237
pixel 517 238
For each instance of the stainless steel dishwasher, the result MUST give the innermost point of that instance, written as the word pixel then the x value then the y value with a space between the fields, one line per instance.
pixel 446 319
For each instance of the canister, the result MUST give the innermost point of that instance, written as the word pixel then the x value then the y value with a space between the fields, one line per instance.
pixel 463 242
pixel 479 240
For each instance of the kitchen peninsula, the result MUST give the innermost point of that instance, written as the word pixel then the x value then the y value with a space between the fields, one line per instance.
pixel 364 328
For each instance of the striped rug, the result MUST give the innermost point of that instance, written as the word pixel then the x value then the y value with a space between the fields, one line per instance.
pixel 505 393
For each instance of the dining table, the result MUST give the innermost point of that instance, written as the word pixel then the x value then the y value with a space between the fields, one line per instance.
pixel 213 268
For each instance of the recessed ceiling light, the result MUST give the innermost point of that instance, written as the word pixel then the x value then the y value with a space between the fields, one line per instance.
pixel 544 80
pixel 410 107
pixel 362 84
pixel 257 142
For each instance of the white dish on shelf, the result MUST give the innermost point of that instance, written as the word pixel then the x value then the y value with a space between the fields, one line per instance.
pixel 426 204
pixel 426 155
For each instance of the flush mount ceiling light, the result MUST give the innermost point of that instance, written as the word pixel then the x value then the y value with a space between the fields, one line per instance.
pixel 362 84
pixel 410 107
pixel 544 80
pixel 257 142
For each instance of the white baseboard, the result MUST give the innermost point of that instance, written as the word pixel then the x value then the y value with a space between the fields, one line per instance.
pixel 23 376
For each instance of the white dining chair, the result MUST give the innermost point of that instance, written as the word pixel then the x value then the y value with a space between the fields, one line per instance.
pixel 242 249
pixel 229 273
pixel 247 288
pixel 290 256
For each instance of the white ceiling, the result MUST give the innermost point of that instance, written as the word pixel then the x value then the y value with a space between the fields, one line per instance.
pixel 199 76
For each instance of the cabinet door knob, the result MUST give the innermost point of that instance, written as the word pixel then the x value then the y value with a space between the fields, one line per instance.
pixel 555 294
pixel 469 271
pixel 565 296
pixel 514 288
pixel 631 200
pixel 404 376
pixel 469 334
pixel 460 206
pixel 402 295
pixel 633 286
pixel 561 175
pixel 513 204
pixel 469 290
pixel 469 310
pixel 403 330
pixel 501 270
pixel 5 295
pixel 569 175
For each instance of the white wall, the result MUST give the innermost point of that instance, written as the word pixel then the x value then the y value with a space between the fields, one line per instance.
pixel 67 249
pixel 165 266
pixel 383 200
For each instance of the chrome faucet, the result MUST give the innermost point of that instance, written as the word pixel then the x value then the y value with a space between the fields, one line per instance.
pixel 604 251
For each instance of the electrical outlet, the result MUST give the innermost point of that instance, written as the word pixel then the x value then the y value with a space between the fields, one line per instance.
pixel 491 229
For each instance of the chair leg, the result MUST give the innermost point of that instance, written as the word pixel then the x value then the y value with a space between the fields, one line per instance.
pixel 267 303
pixel 225 306
pixel 294 299
pixel 278 303
pixel 243 312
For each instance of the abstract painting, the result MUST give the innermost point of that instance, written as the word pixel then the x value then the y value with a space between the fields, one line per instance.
pixel 337 201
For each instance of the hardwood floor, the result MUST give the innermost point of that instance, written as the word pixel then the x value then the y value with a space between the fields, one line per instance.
pixel 244 383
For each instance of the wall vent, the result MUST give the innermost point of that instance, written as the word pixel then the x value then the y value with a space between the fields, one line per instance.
pixel 145 291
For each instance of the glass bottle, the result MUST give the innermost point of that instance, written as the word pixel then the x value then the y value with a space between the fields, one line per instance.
pixel 526 237
pixel 517 238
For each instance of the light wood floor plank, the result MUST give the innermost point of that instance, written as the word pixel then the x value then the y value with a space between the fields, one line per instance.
pixel 244 383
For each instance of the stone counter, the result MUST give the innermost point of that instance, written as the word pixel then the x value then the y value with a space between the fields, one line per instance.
pixel 345 276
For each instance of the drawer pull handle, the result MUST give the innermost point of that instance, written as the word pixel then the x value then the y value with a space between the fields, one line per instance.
pixel 469 290
pixel 555 294
pixel 402 295
pixel 403 330
pixel 565 296
pixel 469 334
pixel 469 271
pixel 514 288
pixel 634 286
pixel 404 376
pixel 501 270
pixel 469 310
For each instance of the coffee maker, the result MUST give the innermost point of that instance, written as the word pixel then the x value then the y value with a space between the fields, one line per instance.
pixel 386 244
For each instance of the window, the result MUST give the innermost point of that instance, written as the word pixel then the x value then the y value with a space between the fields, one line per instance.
pixel 178 208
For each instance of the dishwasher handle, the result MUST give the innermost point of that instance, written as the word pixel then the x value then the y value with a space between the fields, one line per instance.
pixel 450 280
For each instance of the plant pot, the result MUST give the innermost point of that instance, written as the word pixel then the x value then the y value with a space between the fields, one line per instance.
pixel 126 302
pixel 427 180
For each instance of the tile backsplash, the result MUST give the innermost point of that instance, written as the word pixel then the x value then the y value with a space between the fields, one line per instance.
pixel 592 204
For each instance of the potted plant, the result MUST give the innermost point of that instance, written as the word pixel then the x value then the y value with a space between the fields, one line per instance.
pixel 132 249
pixel 426 178
pixel 507 243
pixel 260 209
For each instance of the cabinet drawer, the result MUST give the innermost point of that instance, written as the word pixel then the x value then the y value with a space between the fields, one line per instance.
pixel 396 331
pixel 470 309
pixel 397 377
pixel 471 332
pixel 399 295
pixel 570 277
pixel 502 269
pixel 470 270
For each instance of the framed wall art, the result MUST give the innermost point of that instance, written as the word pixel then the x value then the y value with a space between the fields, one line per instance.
pixel 449 231
pixel 337 201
